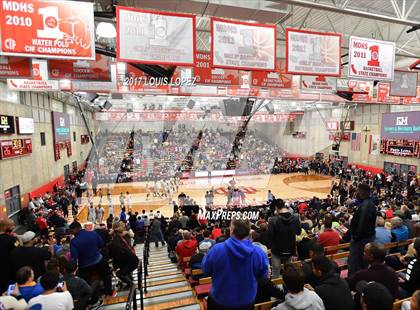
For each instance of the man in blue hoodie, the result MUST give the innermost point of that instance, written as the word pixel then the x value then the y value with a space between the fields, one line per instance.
pixel 86 247
pixel 235 265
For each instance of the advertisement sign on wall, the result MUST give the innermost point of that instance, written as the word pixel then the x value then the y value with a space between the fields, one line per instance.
pixel 383 94
pixel 320 83
pixel 407 148
pixel 205 74
pixel 313 53
pixel 404 84
pixel 61 127
pixel 15 67
pixel 7 124
pixel 48 29
pixel 97 70
pixel 155 37
pixel 277 79
pixel 15 147
pixel 242 45
pixel 371 59
pixel 401 125
pixel 25 125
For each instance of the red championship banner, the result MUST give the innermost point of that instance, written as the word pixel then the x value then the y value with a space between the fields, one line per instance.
pixel 155 37
pixel 241 45
pixel 371 59
pixel 205 74
pixel 97 70
pixel 413 100
pixel 313 53
pixel 15 67
pixel 277 79
pixel 15 148
pixel 383 94
pixel 49 29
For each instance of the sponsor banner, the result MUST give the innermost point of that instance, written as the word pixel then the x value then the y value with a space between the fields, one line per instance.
pixel 318 83
pixel 345 136
pixel 47 29
pixel 277 79
pixel 347 125
pixel 15 148
pixel 7 124
pixel 313 53
pixel 241 45
pixel 32 85
pixel 333 126
pixel 401 125
pixel 25 125
pixel 404 84
pixel 407 148
pixel 413 100
pixel 97 70
pixel 61 127
pixel 152 116
pixel 383 94
pixel 155 37
pixel 15 67
pixel 374 145
pixel 371 59
pixel 205 74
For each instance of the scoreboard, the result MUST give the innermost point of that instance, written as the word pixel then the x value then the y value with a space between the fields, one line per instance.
pixel 15 148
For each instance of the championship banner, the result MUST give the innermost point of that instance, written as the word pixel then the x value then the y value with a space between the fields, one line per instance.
pixel 241 45
pixel 313 53
pixel 97 70
pixel 383 94
pixel 205 74
pixel 319 83
pixel 47 29
pixel 15 67
pixel 404 84
pixel 371 59
pixel 32 85
pixel 277 79
pixel 413 100
pixel 374 145
pixel 155 37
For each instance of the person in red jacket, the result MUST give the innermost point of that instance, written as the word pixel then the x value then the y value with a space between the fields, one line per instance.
pixel 216 232
pixel 186 248
pixel 329 237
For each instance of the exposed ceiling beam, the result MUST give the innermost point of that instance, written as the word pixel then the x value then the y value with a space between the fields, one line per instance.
pixel 410 9
pixel 350 12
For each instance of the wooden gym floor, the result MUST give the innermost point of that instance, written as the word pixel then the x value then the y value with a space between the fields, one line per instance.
pixel 286 186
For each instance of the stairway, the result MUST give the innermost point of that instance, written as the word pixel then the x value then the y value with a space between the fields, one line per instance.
pixel 167 287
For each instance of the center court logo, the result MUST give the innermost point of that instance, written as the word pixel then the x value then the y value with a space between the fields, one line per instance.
pixel 227 215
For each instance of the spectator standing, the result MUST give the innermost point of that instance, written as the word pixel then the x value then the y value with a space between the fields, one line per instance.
pixel 91 213
pixel 282 231
pixel 362 227
pixel 156 234
pixel 7 244
pixel 235 266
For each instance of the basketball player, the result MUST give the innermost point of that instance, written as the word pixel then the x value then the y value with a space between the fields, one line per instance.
pixel 147 191
pixel 122 200
pixel 128 198
pixel 109 202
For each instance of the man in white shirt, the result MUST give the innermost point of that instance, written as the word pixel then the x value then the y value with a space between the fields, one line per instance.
pixel 55 296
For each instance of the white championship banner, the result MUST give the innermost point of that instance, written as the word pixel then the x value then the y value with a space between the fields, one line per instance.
pixel 371 59
pixel 324 84
pixel 313 53
pixel 155 37
pixel 241 45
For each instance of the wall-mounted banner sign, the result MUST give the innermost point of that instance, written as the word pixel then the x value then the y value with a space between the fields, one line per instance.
pixel 371 59
pixel 404 84
pixel 313 53
pixel 383 94
pixel 277 79
pixel 15 67
pixel 61 127
pixel 205 74
pixel 15 148
pixel 97 70
pixel 7 124
pixel 401 125
pixel 318 83
pixel 155 37
pixel 242 45
pixel 25 125
pixel 413 100
pixel 47 29
pixel 347 125
pixel 400 147
pixel 32 85
pixel 333 126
